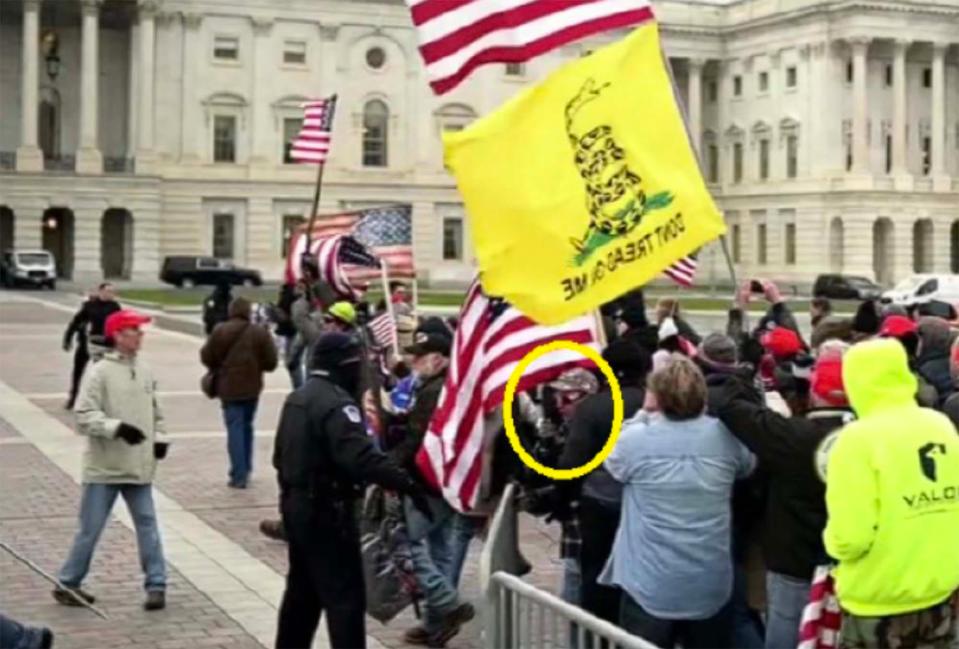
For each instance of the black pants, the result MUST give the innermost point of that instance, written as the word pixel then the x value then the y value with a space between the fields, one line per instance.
pixel 715 632
pixel 598 523
pixel 80 360
pixel 325 575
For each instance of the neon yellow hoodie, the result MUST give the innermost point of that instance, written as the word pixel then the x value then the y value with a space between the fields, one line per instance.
pixel 892 491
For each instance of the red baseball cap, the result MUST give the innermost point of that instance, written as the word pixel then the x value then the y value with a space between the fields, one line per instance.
pixel 826 380
pixel 124 319
pixel 782 342
pixel 897 326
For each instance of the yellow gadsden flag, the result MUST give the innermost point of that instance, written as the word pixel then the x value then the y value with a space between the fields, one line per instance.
pixel 585 186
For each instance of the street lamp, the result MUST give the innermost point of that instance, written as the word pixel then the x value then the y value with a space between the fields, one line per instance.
pixel 50 44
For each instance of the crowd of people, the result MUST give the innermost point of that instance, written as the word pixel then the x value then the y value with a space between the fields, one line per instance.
pixel 749 459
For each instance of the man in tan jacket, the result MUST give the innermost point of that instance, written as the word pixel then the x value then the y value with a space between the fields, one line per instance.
pixel 239 352
pixel 118 413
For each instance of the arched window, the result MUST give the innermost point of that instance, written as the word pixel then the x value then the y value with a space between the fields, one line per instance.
pixel 376 118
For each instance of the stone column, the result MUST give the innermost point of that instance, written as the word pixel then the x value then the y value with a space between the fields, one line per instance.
pixel 695 108
pixel 29 156
pixel 860 142
pixel 146 153
pixel 191 143
pixel 89 158
pixel 264 61
pixel 941 181
pixel 133 91
pixel 899 158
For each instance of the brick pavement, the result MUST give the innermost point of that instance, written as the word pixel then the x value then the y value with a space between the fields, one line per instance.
pixel 38 518
pixel 43 513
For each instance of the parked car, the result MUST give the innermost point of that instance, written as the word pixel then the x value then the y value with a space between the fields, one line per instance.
pixel 34 267
pixel 846 287
pixel 923 288
pixel 188 271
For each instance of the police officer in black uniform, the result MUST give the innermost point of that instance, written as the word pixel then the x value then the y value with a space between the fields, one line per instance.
pixel 322 456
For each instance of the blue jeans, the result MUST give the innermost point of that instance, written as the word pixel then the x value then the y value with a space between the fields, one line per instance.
pixel 238 417
pixel 748 629
pixel 712 633
pixel 95 506
pixel 462 531
pixel 432 559
pixel 572 581
pixel 786 597
pixel 14 635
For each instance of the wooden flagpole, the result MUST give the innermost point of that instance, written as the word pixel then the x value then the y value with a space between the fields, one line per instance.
pixel 385 278
pixel 306 257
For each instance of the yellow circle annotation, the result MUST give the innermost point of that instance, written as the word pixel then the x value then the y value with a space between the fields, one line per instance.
pixel 510 394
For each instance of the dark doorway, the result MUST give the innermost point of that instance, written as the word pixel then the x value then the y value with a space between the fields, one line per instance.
pixel 58 238
pixel 882 250
pixel 116 243
pixel 6 228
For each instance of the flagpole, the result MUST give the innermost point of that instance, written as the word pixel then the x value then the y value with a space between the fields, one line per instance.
pixel 385 278
pixel 316 194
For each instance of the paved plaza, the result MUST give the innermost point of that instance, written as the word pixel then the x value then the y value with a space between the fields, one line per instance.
pixel 225 579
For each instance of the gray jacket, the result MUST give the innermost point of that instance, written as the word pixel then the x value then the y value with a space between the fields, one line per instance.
pixel 118 389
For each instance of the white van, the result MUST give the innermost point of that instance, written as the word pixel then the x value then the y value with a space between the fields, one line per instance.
pixel 923 288
pixel 33 267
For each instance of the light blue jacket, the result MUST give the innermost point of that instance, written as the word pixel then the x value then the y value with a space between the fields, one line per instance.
pixel 672 550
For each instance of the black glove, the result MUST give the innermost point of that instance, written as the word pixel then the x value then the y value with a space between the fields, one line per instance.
pixel 67 345
pixel 419 500
pixel 129 434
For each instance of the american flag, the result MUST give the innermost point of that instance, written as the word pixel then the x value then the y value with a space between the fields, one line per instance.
pixel 457 36
pixel 339 259
pixel 683 272
pixel 490 340
pixel 385 231
pixel 383 329
pixel 312 143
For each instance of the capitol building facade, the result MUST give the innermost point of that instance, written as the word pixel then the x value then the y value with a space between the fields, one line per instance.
pixel 130 130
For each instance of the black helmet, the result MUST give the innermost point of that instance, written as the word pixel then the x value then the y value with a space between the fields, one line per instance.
pixel 334 350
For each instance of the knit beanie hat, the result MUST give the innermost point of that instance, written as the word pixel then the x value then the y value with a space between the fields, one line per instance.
pixel 718 349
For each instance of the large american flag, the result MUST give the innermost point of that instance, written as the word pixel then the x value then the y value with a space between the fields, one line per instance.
pixel 457 36
pixel 312 143
pixel 683 272
pixel 386 231
pixel 490 340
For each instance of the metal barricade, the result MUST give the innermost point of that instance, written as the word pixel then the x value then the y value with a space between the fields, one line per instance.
pixel 519 615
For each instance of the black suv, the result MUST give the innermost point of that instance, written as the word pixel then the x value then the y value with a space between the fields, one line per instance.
pixel 846 287
pixel 187 271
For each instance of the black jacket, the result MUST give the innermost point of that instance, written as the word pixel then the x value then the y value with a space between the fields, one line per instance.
pixel 322 449
pixel 216 308
pixel 790 450
pixel 749 494
pixel 425 401
pixel 92 316
pixel 934 369
pixel 589 428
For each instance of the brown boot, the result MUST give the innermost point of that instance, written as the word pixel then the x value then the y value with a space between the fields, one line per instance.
pixel 156 601
pixel 273 529
pixel 418 635
pixel 68 596
pixel 452 624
